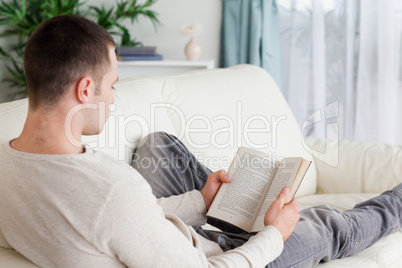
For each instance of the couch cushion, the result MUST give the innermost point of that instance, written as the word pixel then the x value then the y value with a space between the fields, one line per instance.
pixel 216 111
pixel 12 119
pixel 338 201
pixel 363 167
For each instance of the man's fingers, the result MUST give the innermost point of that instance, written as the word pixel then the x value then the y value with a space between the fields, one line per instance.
pixel 220 175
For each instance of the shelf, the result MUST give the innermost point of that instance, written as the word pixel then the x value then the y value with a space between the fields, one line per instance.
pixel 210 64
pixel 143 68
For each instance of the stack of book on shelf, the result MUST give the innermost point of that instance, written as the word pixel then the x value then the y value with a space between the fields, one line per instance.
pixel 128 53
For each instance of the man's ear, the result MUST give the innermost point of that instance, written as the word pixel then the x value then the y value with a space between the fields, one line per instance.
pixel 84 89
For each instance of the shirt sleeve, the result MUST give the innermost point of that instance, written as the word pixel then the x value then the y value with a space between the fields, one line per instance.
pixel 133 228
pixel 189 207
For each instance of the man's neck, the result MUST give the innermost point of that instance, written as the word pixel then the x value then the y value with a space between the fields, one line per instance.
pixel 44 133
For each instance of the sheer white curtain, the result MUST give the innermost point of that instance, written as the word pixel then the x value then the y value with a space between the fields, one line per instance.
pixel 342 67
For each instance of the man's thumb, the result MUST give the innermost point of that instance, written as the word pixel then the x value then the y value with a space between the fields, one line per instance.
pixel 283 195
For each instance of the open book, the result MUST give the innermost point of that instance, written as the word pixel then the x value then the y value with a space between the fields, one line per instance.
pixel 256 182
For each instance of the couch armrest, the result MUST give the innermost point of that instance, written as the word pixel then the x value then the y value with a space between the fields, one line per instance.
pixel 355 167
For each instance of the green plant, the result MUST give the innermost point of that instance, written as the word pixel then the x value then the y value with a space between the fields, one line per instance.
pixel 20 18
pixel 112 20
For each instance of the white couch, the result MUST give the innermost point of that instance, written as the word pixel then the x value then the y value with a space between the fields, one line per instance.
pixel 216 111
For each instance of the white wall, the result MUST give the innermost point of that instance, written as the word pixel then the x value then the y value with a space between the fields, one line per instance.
pixel 173 14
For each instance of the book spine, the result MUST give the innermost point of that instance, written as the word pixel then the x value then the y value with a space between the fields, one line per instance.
pixel 140 57
pixel 133 51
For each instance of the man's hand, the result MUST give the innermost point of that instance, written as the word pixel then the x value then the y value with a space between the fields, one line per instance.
pixel 212 185
pixel 283 216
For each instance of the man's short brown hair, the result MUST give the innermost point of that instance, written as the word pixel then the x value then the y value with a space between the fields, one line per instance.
pixel 60 51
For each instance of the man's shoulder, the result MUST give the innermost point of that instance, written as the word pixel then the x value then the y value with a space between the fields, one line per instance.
pixel 89 168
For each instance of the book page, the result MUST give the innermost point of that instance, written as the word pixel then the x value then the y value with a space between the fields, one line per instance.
pixel 284 177
pixel 239 201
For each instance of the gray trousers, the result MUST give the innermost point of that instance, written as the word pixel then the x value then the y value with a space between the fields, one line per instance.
pixel 322 234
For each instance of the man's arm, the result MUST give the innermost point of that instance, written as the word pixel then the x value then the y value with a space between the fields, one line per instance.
pixel 192 206
pixel 133 229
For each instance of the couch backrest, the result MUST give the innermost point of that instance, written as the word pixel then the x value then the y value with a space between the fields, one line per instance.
pixel 212 111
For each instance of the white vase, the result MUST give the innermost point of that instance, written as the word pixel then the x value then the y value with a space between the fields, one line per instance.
pixel 192 50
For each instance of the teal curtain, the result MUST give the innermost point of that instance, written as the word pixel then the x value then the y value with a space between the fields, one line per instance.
pixel 250 34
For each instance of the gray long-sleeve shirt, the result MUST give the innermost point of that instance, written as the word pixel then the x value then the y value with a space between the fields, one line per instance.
pixel 89 210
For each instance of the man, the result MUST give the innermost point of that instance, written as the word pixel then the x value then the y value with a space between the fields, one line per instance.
pixel 69 206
